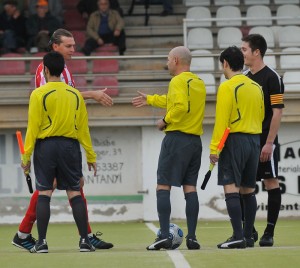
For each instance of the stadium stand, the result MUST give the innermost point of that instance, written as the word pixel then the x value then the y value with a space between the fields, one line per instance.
pixel 109 82
pixel 275 29
pixel 233 12
pixel 199 64
pixel 259 15
pixel 289 36
pixel 229 36
pixel 106 65
pixel 35 63
pixel 281 2
pixel 270 60
pixel 78 66
pixel 290 61
pixel 69 4
pixel 199 38
pixel 227 2
pixel 199 12
pixel 288 11
pixel 257 2
pixel 210 82
pixel 73 20
pixel 80 38
pixel 9 67
pixel 197 2
pixel 81 83
pixel 291 80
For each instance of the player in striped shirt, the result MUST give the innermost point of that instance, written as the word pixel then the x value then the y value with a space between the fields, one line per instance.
pixel 62 41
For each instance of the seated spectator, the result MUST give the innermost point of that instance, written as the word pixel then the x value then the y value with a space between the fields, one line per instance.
pixel 21 5
pixel 104 26
pixel 12 28
pixel 40 27
pixel 87 7
pixel 54 6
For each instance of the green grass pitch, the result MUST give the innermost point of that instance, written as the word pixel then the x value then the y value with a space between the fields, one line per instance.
pixel 131 238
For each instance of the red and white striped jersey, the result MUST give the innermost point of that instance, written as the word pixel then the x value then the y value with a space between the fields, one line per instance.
pixel 65 76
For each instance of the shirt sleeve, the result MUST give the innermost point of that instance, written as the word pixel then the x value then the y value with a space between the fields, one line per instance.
pixel 222 117
pixel 159 101
pixel 84 136
pixel 34 123
pixel 276 90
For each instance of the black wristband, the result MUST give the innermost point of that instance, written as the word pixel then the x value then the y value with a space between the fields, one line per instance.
pixel 164 121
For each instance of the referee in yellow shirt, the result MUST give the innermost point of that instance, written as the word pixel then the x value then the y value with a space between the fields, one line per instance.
pixel 181 149
pixel 240 106
pixel 57 125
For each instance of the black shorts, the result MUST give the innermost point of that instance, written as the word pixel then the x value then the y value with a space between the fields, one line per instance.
pixel 269 169
pixel 238 160
pixel 60 158
pixel 179 160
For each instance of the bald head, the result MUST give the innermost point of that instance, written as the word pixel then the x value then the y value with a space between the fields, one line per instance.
pixel 183 54
pixel 179 60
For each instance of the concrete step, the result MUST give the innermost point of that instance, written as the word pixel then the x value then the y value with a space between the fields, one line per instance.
pixel 148 51
pixel 154 42
pixel 161 30
pixel 153 9
pixel 153 20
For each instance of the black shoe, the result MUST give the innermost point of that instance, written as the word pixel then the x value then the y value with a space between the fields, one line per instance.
pixel 192 243
pixel 255 235
pixel 40 247
pixel 85 245
pixel 159 243
pixel 250 242
pixel 266 240
pixel 99 243
pixel 232 242
pixel 166 13
pixel 27 243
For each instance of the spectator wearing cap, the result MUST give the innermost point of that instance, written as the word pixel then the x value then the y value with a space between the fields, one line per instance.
pixel 54 6
pixel 12 28
pixel 40 27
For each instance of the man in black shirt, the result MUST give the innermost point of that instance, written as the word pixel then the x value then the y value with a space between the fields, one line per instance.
pixel 254 47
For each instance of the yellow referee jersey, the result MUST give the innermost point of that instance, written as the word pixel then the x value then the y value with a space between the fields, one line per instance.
pixel 240 106
pixel 184 103
pixel 56 109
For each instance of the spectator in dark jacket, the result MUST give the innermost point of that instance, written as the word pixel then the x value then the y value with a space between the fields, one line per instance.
pixel 40 27
pixel 87 7
pixel 12 28
pixel 104 26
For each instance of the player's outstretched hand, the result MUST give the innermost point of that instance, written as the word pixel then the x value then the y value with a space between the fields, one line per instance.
pixel 140 101
pixel 92 166
pixel 101 97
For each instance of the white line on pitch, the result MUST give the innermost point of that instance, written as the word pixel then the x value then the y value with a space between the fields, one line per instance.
pixel 175 255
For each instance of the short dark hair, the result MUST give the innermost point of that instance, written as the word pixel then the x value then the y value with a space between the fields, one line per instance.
pixel 234 57
pixel 56 37
pixel 256 41
pixel 55 63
